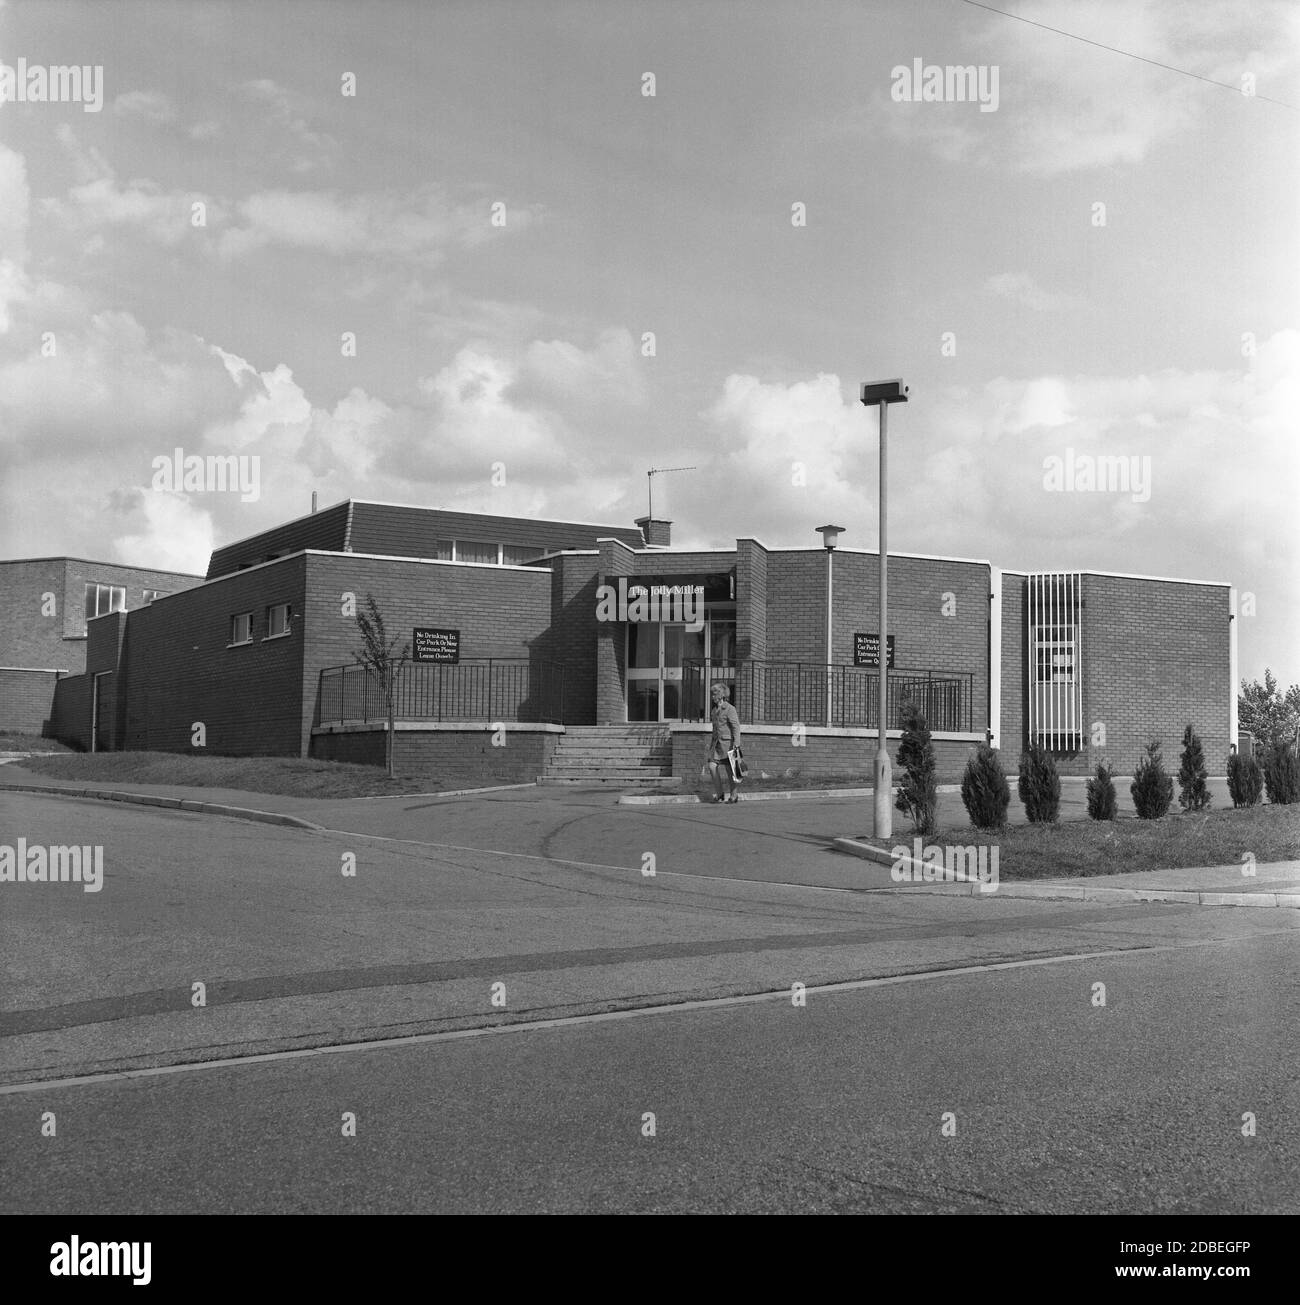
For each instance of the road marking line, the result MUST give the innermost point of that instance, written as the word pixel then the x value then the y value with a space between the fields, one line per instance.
pixel 605 1017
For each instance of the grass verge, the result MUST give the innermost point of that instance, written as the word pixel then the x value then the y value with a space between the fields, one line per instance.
pixel 1109 847
pixel 282 776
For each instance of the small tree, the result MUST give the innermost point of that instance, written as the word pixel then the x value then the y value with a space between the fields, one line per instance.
pixel 1152 789
pixel 984 789
pixel 1101 794
pixel 1193 795
pixel 1282 774
pixel 918 793
pixel 382 660
pixel 1040 785
pixel 1245 779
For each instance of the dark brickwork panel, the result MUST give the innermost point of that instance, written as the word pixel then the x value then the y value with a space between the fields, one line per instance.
pixel 179 668
pixel 500 613
pixel 439 754
pixel 27 700
pixel 325 530
pixel 1015 686
pixel 70 714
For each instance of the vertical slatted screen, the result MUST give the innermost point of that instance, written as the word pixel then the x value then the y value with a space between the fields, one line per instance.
pixel 1054 669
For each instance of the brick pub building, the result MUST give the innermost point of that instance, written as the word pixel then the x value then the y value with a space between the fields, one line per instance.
pixel 573 650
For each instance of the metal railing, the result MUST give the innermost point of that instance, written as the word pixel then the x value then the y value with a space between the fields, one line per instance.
pixel 780 693
pixel 486 689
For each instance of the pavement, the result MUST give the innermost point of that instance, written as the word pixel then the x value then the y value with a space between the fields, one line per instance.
pixel 582 824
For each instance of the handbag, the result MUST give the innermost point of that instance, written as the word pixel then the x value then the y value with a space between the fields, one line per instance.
pixel 739 767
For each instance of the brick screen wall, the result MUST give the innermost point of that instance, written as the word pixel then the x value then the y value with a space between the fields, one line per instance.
pixel 500 612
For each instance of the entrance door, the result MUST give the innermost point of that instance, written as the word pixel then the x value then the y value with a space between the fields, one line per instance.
pixel 656 651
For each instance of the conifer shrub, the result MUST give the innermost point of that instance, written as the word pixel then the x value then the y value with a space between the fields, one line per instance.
pixel 1040 785
pixel 918 791
pixel 1193 793
pixel 984 789
pixel 1282 774
pixel 1102 799
pixel 1152 789
pixel 1245 779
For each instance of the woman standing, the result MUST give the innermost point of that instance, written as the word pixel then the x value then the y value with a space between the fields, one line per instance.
pixel 726 735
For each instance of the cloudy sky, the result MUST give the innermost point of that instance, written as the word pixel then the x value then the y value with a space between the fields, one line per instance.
pixel 545 267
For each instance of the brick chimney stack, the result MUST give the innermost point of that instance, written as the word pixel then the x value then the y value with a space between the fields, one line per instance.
pixel 656 533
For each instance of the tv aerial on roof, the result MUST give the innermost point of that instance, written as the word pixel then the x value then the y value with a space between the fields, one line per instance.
pixel 649 485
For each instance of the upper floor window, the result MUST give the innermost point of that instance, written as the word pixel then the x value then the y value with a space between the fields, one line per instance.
pixel 277 620
pixel 443 550
pixel 517 554
pixel 148 595
pixel 468 550
pixel 104 598
pixel 241 627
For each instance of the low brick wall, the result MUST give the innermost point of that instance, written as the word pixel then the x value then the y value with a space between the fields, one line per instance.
pixel 26 699
pixel 465 751
pixel 848 753
pixel 70 720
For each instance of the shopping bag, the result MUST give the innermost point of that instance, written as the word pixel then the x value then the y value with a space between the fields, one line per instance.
pixel 736 760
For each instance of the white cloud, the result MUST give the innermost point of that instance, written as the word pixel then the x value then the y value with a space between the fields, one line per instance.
pixel 150 106
pixel 421 227
pixel 1021 288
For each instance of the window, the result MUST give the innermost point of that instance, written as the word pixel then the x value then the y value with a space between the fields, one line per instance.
pixel 148 595
pixel 442 550
pixel 277 621
pixel 104 598
pixel 517 554
pixel 469 550
pixel 241 628
pixel 1054 648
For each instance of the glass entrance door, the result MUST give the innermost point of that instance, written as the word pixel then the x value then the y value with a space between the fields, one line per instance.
pixel 655 653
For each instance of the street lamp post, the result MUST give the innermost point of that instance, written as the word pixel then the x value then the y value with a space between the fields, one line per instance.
pixel 830 536
pixel 881 394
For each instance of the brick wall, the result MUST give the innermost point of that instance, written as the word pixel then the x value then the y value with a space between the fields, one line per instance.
pixel 1155 659
pixel 751 599
pixel 852 757
pixel 180 670
pixel 70 713
pixel 1153 656
pixel 27 700
pixel 32 597
pixel 459 755
pixel 500 613
pixel 920 590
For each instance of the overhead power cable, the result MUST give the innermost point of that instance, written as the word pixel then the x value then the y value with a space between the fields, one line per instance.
pixel 1128 54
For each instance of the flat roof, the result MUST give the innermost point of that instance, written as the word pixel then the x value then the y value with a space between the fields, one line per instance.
pixel 97 561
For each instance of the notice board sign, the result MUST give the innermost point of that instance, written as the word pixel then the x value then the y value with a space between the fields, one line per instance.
pixel 429 645
pixel 866 649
